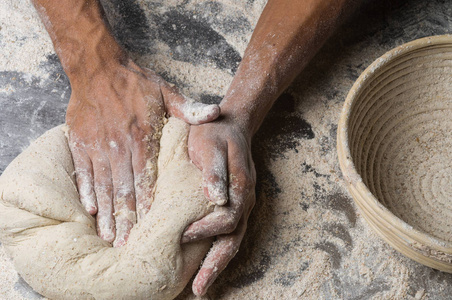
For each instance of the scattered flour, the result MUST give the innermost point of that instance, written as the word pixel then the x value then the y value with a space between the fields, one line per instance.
pixel 305 241
pixel 24 42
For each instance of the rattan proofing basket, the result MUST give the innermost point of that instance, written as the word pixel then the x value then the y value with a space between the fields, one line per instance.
pixel 395 149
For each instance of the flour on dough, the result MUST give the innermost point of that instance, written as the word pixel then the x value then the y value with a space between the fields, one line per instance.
pixel 53 242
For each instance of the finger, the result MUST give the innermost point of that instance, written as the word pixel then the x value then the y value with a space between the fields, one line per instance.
pixel 221 221
pixel 103 188
pixel 187 109
pixel 214 173
pixel 84 177
pixel 144 161
pixel 224 219
pixel 124 198
pixel 221 253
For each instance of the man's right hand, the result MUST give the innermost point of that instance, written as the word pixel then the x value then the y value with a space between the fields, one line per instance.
pixel 115 119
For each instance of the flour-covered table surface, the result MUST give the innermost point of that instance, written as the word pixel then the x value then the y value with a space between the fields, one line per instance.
pixel 306 239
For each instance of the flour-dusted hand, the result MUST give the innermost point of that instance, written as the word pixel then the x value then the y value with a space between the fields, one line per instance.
pixel 115 115
pixel 115 119
pixel 286 37
pixel 222 150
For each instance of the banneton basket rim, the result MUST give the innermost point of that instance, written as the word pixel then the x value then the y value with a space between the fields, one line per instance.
pixel 352 177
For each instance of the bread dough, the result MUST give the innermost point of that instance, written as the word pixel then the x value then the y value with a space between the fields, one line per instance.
pixel 53 242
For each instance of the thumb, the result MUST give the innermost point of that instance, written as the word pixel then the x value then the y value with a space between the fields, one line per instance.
pixel 187 109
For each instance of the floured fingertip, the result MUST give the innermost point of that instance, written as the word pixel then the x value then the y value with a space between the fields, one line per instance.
pixel 105 227
pixel 205 278
pixel 217 192
pixel 88 200
pixel 120 241
pixel 91 209
pixel 86 191
pixel 211 112
pixel 89 203
pixel 200 284
pixel 107 236
pixel 124 219
pixel 219 200
pixel 197 113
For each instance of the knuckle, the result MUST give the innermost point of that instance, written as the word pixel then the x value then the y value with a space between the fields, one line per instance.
pixel 230 224
pixel 216 180
pixel 80 159
pixel 104 220
pixel 101 162
pixel 103 193
pixel 104 209
pixel 252 202
pixel 84 180
pixel 142 186
pixel 86 193
pixel 248 184
pixel 116 150
pixel 122 177
pixel 139 135
pixel 123 195
pixel 103 187
pixel 242 184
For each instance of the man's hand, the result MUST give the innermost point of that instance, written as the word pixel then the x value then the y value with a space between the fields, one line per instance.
pixel 286 37
pixel 222 150
pixel 115 119
pixel 115 115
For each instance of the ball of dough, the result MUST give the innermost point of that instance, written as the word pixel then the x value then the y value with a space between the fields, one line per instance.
pixel 53 242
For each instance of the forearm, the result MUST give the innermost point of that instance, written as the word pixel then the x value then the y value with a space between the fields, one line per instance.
pixel 287 36
pixel 81 36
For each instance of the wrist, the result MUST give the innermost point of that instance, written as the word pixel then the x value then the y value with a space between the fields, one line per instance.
pixel 107 87
pixel 246 116
pixel 97 74
pixel 84 58
pixel 254 89
pixel 81 35
pixel 247 103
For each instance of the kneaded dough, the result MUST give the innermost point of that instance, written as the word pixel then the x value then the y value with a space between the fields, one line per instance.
pixel 53 242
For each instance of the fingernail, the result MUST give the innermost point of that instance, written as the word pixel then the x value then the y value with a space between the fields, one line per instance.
pixel 108 237
pixel 198 113
pixel 106 231
pixel 201 289
pixel 198 292
pixel 211 110
pixel 119 243
pixel 92 210
pixel 187 235
pixel 184 239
